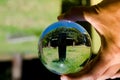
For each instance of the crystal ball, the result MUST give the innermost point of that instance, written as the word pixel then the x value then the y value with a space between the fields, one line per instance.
pixel 64 47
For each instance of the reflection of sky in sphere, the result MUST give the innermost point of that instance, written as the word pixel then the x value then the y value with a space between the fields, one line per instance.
pixel 67 24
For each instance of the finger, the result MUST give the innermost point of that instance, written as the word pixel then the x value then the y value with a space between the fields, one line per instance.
pixel 117 75
pixel 63 77
pixel 74 14
pixel 80 78
pixel 110 72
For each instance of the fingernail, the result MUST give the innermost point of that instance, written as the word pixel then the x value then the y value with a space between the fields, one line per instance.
pixel 113 77
pixel 63 78
pixel 103 78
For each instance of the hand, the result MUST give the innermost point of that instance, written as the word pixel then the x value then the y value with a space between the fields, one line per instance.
pixel 105 18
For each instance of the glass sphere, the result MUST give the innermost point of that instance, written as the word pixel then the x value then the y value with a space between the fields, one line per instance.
pixel 64 47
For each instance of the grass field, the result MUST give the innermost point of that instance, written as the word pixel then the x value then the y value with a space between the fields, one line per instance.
pixel 25 18
pixel 75 56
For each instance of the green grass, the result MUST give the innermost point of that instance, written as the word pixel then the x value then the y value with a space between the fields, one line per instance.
pixel 27 17
pixel 75 56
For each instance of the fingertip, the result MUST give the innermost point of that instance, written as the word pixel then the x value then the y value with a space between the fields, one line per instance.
pixel 115 76
pixel 63 78
pixel 102 78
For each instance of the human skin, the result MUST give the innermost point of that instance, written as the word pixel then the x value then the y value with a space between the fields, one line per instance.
pixel 105 18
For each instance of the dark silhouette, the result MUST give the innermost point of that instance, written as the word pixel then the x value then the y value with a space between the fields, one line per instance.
pixel 62 46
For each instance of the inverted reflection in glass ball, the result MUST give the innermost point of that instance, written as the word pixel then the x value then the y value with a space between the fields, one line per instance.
pixel 64 47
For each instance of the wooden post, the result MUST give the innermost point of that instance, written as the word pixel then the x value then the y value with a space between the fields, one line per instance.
pixel 17 67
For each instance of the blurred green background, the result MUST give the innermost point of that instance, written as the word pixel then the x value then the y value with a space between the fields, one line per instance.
pixel 21 23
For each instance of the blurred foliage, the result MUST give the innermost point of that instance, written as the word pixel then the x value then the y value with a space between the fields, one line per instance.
pixel 25 18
